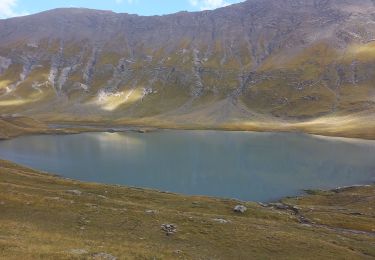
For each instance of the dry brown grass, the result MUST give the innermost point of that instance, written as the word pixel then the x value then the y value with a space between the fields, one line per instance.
pixel 40 219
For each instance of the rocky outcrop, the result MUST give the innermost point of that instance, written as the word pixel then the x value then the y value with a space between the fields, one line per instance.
pixel 4 64
pixel 90 66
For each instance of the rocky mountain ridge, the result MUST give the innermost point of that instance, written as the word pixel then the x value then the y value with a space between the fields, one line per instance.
pixel 269 60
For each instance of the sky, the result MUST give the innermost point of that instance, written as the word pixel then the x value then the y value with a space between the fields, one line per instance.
pixel 12 8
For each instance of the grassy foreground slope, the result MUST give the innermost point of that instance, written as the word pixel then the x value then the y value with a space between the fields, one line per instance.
pixel 46 217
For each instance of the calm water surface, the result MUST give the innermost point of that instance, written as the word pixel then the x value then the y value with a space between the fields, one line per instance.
pixel 243 165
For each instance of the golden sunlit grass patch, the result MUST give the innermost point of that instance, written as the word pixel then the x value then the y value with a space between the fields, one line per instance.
pixel 112 101
pixel 363 52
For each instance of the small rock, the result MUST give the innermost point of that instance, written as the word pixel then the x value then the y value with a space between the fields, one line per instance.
pixel 306 225
pixel 356 214
pixel 91 205
pixel 240 209
pixel 53 198
pixel 263 204
pixel 279 206
pixel 104 256
pixel 169 229
pixel 282 206
pixel 78 251
pixel 221 220
pixel 151 211
pixel 74 192
pixel 101 196
pixel 2 203
pixel 303 220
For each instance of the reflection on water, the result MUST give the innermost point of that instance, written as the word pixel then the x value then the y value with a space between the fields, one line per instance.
pixel 248 166
pixel 118 142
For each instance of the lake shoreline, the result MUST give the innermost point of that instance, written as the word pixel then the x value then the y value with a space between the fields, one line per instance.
pixel 18 126
pixel 304 192
pixel 295 188
pixel 144 128
pixel 73 129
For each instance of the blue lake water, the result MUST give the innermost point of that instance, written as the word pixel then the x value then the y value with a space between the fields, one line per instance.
pixel 242 165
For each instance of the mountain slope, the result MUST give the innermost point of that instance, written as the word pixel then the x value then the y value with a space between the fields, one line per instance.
pixel 258 61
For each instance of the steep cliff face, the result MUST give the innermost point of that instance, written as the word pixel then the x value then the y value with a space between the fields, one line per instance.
pixel 258 59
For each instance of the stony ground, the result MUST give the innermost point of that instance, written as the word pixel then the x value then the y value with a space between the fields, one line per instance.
pixel 46 217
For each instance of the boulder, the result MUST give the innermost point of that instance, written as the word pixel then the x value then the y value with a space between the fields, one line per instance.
pixel 240 209
pixel 74 192
pixel 169 229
